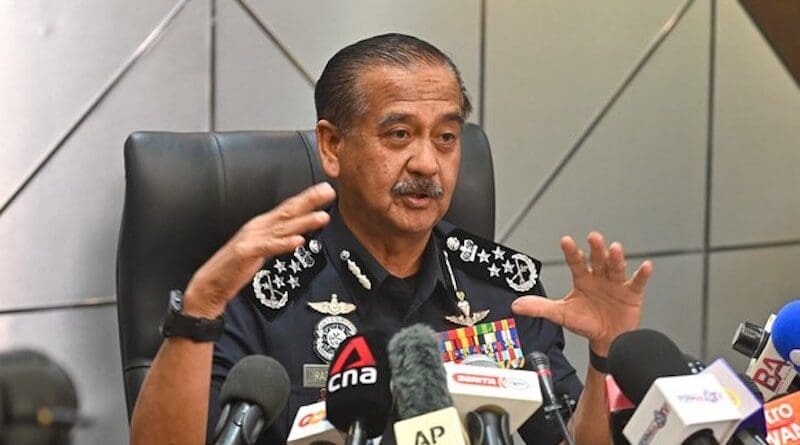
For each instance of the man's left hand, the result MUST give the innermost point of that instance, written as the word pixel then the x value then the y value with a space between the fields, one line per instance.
pixel 603 302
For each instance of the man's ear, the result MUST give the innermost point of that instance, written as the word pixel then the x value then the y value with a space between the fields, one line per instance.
pixel 329 144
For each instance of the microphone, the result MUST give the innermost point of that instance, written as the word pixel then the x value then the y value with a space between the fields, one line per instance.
pixel 783 420
pixel 358 398
pixel 38 401
pixel 311 427
pixel 634 374
pixel 753 430
pixel 694 364
pixel 768 369
pixel 620 410
pixel 489 421
pixel 673 407
pixel 786 333
pixel 749 404
pixel 253 395
pixel 541 365
pixel 688 409
pixel 419 382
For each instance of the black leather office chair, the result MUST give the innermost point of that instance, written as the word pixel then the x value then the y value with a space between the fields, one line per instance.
pixel 188 193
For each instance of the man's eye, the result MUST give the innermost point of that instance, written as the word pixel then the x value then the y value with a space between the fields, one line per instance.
pixel 448 137
pixel 399 134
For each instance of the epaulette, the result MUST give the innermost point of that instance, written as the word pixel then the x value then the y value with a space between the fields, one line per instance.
pixel 492 262
pixel 286 276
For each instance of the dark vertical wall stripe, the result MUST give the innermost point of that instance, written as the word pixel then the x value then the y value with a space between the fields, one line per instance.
pixel 212 68
pixel 482 66
pixel 709 181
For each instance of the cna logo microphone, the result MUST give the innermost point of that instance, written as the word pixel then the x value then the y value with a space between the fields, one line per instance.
pixel 358 399
pixel 355 365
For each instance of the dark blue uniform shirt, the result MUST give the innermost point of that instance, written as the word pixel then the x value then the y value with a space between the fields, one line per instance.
pixel 287 333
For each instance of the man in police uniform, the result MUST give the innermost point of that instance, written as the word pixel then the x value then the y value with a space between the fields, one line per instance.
pixel 295 281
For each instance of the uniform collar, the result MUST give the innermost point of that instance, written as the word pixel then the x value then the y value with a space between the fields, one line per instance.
pixel 338 238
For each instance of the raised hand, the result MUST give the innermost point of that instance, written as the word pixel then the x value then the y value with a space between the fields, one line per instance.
pixel 273 233
pixel 603 302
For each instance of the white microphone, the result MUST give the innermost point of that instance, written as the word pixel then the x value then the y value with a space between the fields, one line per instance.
pixel 744 400
pixel 768 369
pixel 691 409
pixel 310 426
pixel 473 388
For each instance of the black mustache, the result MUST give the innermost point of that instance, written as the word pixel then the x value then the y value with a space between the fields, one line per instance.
pixel 418 186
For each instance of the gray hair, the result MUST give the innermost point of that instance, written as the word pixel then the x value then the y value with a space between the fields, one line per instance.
pixel 338 95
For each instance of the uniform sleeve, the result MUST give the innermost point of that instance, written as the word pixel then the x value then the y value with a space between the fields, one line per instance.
pixel 537 334
pixel 243 335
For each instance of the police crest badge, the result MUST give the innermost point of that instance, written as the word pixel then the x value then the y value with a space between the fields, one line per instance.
pixel 332 330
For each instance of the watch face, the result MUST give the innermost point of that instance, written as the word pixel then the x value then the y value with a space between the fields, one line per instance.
pixel 176 300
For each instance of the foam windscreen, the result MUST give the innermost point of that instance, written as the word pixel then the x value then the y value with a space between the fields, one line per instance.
pixel 637 358
pixel 260 380
pixel 786 332
pixel 418 375
pixel 358 384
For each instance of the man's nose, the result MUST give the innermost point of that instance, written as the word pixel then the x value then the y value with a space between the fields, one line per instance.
pixel 424 160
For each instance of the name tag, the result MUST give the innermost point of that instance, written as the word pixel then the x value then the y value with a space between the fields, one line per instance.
pixel 315 375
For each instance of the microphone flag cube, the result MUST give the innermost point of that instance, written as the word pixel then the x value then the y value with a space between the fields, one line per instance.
pixel 311 426
pixel 783 420
pixel 674 408
pixel 514 390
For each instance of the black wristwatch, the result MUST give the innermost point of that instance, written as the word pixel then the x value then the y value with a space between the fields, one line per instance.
pixel 178 324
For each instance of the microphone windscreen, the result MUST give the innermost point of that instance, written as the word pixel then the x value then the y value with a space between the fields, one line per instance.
pixel 260 380
pixel 358 384
pixel 637 358
pixel 418 376
pixel 786 332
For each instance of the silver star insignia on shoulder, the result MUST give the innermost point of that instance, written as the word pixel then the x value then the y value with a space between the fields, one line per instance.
pixel 273 299
pixel 499 254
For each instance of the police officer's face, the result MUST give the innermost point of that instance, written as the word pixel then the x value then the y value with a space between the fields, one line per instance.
pixel 399 163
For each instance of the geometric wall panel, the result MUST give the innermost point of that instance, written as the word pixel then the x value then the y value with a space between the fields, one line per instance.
pixel 756 137
pixel 550 66
pixel 451 25
pixel 257 88
pixel 56 56
pixel 748 286
pixel 59 237
pixel 639 178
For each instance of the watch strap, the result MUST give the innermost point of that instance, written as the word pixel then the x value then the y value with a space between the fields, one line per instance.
pixel 197 329
pixel 598 362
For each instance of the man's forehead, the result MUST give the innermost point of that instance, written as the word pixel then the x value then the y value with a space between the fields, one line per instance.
pixel 388 86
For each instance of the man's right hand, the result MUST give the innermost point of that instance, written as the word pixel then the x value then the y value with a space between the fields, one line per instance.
pixel 270 234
